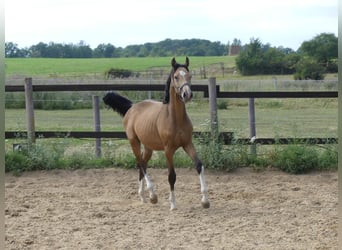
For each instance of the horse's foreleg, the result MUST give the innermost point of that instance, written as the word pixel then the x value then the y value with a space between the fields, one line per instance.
pixel 191 151
pixel 172 178
pixel 204 188
pixel 172 181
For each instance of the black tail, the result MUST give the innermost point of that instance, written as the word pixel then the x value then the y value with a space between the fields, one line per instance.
pixel 117 102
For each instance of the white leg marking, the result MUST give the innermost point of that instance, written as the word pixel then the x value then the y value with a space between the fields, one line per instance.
pixel 149 183
pixel 204 190
pixel 142 190
pixel 150 187
pixel 172 200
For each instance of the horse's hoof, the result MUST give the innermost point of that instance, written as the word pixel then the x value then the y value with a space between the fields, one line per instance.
pixel 206 204
pixel 173 208
pixel 154 199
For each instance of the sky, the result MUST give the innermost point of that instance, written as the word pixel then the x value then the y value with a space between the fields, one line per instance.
pixel 285 23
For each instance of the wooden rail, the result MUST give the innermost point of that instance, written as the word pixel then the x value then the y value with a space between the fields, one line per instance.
pixel 227 137
pixel 160 87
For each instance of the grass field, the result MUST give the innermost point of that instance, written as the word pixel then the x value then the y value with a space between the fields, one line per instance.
pixel 282 117
pixel 274 117
pixel 70 67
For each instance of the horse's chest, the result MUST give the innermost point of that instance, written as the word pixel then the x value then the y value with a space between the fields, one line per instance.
pixel 177 137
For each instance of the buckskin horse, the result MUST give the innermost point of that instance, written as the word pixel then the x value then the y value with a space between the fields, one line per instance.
pixel 163 127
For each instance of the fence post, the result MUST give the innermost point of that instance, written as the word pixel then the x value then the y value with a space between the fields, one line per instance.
pixel 252 129
pixel 97 125
pixel 149 95
pixel 29 111
pixel 213 107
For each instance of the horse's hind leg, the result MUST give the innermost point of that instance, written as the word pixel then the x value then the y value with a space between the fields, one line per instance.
pixel 191 151
pixel 144 176
pixel 135 145
pixel 142 160
pixel 146 156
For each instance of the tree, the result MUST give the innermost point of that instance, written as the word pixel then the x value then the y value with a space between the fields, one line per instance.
pixel 39 50
pixel 99 51
pixel 11 49
pixel 236 42
pixel 104 50
pixel 323 47
pixel 257 58
pixel 273 60
pixel 250 61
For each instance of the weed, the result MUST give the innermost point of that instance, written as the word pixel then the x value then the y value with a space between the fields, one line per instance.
pixel 221 104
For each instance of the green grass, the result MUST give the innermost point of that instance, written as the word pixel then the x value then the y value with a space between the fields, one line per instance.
pixel 282 118
pixel 51 67
pixel 274 118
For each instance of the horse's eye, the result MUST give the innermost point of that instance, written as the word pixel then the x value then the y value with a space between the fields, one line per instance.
pixel 176 77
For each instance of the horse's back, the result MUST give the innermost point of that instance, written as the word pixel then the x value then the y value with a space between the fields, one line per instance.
pixel 145 109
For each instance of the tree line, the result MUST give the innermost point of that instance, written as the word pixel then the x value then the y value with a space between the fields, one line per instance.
pixel 167 47
pixel 312 60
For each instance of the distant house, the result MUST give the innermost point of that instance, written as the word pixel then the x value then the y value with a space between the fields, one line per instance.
pixel 234 50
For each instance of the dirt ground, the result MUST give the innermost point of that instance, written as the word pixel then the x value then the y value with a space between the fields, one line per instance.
pixel 100 209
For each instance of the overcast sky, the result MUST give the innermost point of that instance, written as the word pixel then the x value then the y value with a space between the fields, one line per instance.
pixel 279 22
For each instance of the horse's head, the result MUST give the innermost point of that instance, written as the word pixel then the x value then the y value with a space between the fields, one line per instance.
pixel 181 79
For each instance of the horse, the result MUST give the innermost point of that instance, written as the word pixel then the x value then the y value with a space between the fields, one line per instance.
pixel 162 127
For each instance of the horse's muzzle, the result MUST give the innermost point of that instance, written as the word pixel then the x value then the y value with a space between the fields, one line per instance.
pixel 186 94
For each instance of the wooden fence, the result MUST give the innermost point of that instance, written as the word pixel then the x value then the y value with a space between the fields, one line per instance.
pixel 211 90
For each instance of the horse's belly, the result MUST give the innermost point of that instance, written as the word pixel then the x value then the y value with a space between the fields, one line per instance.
pixel 150 139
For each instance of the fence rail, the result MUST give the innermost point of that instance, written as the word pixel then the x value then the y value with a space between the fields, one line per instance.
pixel 227 137
pixel 160 87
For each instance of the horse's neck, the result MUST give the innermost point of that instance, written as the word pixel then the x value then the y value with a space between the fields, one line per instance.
pixel 176 107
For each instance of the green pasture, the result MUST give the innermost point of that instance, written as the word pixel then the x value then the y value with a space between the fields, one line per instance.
pixel 77 67
pixel 274 118
pixel 294 118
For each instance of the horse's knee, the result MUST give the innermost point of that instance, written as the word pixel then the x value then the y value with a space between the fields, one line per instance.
pixel 172 179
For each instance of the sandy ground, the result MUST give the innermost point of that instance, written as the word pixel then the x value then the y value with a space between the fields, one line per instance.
pixel 100 209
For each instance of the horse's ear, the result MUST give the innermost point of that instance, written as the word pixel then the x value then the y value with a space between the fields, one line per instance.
pixel 173 62
pixel 187 61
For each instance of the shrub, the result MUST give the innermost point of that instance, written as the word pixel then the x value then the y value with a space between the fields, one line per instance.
pixel 118 73
pixel 222 104
pixel 214 155
pixel 308 68
pixel 16 162
pixel 328 159
pixel 296 159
